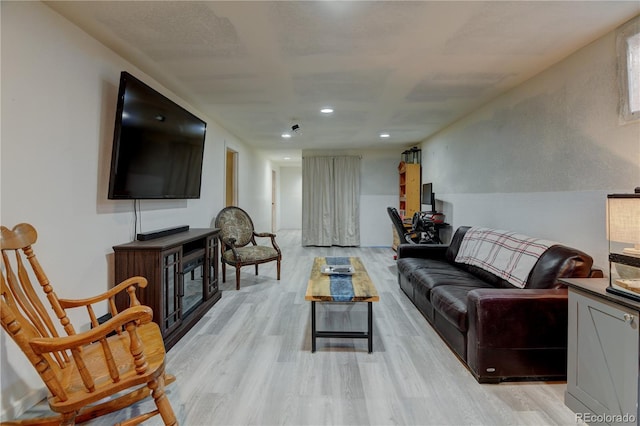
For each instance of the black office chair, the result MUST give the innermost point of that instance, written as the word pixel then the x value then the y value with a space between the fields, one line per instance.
pixel 405 237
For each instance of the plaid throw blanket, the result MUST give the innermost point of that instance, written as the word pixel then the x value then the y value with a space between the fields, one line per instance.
pixel 508 255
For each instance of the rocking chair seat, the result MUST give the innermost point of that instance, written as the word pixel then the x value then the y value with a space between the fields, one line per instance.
pixel 93 354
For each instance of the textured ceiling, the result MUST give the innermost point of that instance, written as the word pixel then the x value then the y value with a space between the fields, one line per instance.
pixel 406 68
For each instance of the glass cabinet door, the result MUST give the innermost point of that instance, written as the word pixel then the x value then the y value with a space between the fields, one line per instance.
pixel 212 267
pixel 172 283
pixel 193 277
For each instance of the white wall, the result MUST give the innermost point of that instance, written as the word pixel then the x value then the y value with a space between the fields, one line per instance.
pixel 379 189
pixel 59 89
pixel 541 158
pixel 290 197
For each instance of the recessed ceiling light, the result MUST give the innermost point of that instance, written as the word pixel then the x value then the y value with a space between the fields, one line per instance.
pixel 326 110
pixel 286 135
pixel 287 158
pixel 384 135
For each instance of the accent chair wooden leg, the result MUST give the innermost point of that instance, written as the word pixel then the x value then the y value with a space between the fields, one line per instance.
pixel 256 269
pixel 238 277
pixel 224 272
pixel 278 268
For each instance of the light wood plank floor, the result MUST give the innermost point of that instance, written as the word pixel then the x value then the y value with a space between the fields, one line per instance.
pixel 248 361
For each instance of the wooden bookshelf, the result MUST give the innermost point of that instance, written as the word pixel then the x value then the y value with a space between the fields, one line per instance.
pixel 409 200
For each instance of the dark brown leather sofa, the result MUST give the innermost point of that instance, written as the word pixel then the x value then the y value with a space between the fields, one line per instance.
pixel 499 331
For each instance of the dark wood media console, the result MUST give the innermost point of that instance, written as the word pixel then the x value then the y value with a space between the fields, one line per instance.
pixel 182 270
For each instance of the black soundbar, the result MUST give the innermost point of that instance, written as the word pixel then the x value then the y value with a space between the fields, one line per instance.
pixel 145 236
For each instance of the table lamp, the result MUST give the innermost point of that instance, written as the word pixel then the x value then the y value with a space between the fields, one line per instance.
pixel 623 218
pixel 623 233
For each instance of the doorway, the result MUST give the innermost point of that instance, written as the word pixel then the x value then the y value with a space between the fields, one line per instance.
pixel 273 201
pixel 231 178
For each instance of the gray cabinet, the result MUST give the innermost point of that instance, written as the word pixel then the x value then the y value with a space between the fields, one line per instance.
pixel 602 363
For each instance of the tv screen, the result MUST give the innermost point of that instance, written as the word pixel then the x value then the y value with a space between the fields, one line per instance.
pixel 158 146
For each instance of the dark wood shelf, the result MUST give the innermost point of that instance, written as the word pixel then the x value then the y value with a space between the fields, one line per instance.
pixel 182 271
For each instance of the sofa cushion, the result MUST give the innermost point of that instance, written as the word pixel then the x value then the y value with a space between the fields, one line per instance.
pixel 426 279
pixel 450 301
pixel 425 251
pixel 408 266
pixel 486 276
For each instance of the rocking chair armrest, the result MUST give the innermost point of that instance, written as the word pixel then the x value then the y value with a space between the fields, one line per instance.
pixel 124 285
pixel 141 313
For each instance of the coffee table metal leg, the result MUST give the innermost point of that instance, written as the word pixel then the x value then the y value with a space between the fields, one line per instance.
pixel 342 334
pixel 313 326
pixel 370 321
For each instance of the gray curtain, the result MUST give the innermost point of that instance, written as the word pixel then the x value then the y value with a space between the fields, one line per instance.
pixel 331 201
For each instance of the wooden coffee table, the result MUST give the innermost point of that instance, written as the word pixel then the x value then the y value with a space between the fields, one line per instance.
pixel 348 288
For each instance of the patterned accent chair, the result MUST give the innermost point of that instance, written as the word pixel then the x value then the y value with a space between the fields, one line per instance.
pixel 238 242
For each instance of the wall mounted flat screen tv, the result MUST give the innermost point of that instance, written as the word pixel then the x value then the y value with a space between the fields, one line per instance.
pixel 158 146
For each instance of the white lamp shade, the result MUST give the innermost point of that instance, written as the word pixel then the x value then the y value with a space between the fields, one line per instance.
pixel 623 218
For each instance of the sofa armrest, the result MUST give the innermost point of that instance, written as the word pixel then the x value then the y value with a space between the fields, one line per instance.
pixel 517 318
pixel 423 251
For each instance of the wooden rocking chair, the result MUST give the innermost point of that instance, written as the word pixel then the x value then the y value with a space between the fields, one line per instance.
pixel 88 374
